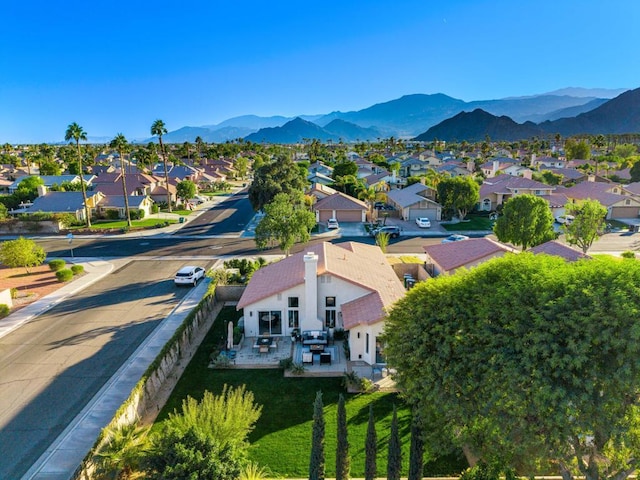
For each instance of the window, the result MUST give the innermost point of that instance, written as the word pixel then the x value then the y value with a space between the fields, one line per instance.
pixel 293 302
pixel 294 319
pixel 330 318
pixel 330 302
pixel 366 344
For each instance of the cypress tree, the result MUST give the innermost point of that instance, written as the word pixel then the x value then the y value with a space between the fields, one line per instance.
pixel 416 453
pixel 394 459
pixel 370 448
pixel 316 465
pixel 343 460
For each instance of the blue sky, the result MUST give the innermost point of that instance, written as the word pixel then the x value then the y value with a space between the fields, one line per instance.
pixel 115 66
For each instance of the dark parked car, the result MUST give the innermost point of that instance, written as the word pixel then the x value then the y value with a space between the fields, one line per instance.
pixel 392 231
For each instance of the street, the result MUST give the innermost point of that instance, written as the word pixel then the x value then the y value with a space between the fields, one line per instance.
pixel 52 366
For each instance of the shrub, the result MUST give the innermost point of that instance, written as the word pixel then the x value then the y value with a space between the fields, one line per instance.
pixel 14 292
pixel 297 369
pixel 4 310
pixel 155 208
pixel 628 254
pixel 56 265
pixel 64 275
pixel 77 269
pixel 112 214
pixel 286 363
pixel 136 214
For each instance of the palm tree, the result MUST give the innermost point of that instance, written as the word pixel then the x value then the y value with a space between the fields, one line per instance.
pixel 120 144
pixel 158 128
pixel 76 133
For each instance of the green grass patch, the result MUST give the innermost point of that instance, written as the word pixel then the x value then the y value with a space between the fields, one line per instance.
pixel 281 440
pixel 120 224
pixel 470 223
pixel 184 213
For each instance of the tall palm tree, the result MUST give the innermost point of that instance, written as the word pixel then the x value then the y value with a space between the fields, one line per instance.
pixel 76 133
pixel 199 143
pixel 121 144
pixel 158 129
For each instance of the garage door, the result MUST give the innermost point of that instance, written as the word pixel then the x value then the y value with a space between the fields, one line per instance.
pixel 624 212
pixel 325 215
pixel 430 213
pixel 349 215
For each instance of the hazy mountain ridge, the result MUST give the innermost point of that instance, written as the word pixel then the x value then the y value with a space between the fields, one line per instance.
pixel 617 116
pixel 407 116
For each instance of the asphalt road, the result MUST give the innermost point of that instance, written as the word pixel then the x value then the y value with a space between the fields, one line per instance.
pixel 225 218
pixel 52 366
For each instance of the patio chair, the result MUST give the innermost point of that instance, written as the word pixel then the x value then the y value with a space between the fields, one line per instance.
pixel 264 349
pixel 307 357
pixel 325 358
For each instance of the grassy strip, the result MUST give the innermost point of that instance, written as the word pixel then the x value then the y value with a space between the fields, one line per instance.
pixel 471 223
pixel 281 440
pixel 109 225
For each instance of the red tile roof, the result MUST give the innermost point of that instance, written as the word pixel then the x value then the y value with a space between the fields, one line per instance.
pixel 559 250
pixel 340 201
pixel 450 256
pixel 357 263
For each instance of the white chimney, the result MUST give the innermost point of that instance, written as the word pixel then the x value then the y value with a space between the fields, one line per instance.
pixel 527 174
pixel 496 166
pixel 42 190
pixel 310 320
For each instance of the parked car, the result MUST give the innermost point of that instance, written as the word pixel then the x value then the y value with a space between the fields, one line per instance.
pixel 565 219
pixel 189 275
pixel 455 238
pixel 378 205
pixel 392 231
pixel 332 223
pixel 423 222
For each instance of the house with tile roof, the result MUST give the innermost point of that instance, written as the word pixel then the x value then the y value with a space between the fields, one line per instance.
pixel 343 286
pixel 497 190
pixel 62 202
pixel 553 247
pixel 116 202
pixel 610 195
pixel 416 201
pixel 342 207
pixel 499 164
pixel 51 180
pixel 447 258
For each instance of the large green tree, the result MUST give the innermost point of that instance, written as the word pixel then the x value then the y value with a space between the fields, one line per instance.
pixel 526 221
pixel 343 169
pixel 159 129
pixel 186 189
pixel 587 225
pixel 21 252
pixel 371 448
pixel 280 175
pixel 122 146
pixel 285 222
pixel 528 361
pixel 458 194
pixel 577 149
pixel 76 133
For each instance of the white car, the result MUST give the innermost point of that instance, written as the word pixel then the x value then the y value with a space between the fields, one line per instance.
pixel 455 238
pixel 423 222
pixel 332 223
pixel 189 275
pixel 565 219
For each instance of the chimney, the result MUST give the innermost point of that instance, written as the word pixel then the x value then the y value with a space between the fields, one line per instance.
pixel 527 174
pixel 471 166
pixel 591 178
pixel 42 190
pixel 310 320
pixel 496 166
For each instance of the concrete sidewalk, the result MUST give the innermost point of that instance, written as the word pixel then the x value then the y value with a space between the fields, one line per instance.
pixel 94 269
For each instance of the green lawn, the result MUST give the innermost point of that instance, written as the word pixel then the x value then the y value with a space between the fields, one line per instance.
pixel 281 440
pixel 118 224
pixel 184 213
pixel 470 223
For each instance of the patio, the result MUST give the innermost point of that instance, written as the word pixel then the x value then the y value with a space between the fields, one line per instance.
pixel 330 362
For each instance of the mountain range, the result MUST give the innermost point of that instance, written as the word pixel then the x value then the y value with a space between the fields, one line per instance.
pixel 619 115
pixel 411 116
